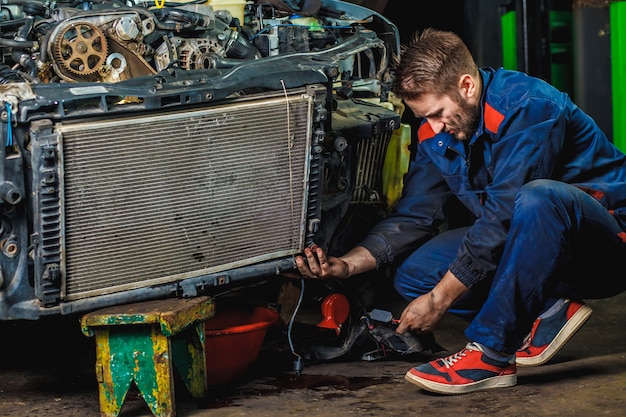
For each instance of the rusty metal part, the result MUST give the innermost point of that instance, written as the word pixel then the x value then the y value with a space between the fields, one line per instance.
pixel 81 48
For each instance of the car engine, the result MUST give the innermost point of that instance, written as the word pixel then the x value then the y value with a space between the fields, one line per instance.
pixel 112 42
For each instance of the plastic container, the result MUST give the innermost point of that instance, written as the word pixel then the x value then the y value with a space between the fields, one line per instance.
pixel 235 7
pixel 233 342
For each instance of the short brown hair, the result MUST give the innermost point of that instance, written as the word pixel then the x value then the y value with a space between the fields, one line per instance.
pixel 432 62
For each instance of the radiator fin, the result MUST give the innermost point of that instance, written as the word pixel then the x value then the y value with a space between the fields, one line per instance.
pixel 157 199
pixel 370 163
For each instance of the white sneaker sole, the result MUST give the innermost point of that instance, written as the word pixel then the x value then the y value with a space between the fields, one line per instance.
pixel 571 327
pixel 494 382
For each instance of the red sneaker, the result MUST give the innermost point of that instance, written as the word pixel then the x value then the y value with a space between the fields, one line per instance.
pixel 549 335
pixel 466 371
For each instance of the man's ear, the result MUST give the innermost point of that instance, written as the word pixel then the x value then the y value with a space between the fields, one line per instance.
pixel 467 86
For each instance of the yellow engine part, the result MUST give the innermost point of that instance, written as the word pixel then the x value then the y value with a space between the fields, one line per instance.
pixel 396 163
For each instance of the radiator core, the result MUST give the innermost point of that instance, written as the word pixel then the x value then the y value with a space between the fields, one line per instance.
pixel 148 200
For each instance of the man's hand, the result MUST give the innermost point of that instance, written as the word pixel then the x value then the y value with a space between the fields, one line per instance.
pixel 318 265
pixel 424 313
pixel 421 315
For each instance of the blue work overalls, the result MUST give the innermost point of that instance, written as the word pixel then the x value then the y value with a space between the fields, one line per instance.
pixel 548 191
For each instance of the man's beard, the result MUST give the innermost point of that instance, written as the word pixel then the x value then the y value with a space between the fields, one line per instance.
pixel 466 121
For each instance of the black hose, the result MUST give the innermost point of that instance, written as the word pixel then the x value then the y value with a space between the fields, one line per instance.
pixel 309 7
pixel 8 75
pixel 196 19
pixel 11 43
pixel 20 2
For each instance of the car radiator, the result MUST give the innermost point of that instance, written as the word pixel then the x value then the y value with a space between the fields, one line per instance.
pixel 132 201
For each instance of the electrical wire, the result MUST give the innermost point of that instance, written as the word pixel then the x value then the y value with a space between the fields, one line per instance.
pixel 9 139
pixel 298 362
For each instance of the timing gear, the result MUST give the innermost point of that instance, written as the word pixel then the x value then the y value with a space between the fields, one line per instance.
pixel 80 48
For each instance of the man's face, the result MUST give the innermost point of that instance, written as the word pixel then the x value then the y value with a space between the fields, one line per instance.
pixel 457 117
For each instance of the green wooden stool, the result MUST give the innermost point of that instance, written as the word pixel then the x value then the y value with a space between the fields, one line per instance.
pixel 142 342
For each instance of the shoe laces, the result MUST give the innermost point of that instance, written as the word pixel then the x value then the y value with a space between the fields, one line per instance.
pixel 528 340
pixel 452 359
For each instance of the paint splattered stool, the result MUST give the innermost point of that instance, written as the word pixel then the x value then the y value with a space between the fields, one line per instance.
pixel 144 342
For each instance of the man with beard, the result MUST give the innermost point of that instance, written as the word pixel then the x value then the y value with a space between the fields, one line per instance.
pixel 548 193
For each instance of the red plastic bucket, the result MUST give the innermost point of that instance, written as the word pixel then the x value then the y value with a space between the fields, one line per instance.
pixel 233 341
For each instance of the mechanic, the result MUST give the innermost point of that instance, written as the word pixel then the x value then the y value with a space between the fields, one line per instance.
pixel 547 190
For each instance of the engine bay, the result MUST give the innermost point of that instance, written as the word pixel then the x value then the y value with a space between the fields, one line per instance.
pixel 113 41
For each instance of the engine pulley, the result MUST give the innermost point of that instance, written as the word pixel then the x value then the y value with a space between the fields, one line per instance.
pixel 80 48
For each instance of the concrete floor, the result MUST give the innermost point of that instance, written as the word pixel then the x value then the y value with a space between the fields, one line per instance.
pixel 48 371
